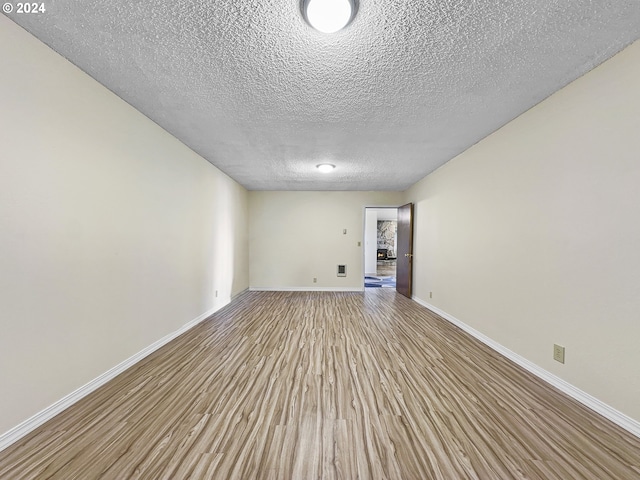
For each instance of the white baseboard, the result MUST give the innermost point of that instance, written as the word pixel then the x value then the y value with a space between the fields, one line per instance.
pixel 619 418
pixel 306 289
pixel 19 431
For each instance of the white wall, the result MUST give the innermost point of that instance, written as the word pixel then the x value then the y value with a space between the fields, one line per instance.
pixel 371 242
pixel 296 236
pixel 113 233
pixel 532 236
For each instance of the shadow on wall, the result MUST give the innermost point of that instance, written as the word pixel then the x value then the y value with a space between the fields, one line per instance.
pixel 229 243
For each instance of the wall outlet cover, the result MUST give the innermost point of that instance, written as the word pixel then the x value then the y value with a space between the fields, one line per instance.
pixel 558 353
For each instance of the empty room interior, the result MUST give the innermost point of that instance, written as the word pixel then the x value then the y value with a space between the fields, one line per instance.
pixel 190 246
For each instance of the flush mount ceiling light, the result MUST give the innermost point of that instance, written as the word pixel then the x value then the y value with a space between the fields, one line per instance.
pixel 325 167
pixel 328 16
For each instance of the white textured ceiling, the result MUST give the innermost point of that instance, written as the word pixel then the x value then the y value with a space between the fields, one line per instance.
pixel 405 87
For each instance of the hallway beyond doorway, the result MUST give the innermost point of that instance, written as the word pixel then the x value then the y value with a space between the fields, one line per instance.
pixel 380 247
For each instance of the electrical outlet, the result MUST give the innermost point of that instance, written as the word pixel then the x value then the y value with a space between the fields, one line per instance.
pixel 359 244
pixel 430 294
pixel 315 280
pixel 216 293
pixel 558 353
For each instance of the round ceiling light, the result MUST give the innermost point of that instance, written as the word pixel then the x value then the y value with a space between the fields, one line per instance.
pixel 328 16
pixel 325 167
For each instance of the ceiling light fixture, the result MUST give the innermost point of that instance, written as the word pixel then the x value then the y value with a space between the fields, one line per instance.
pixel 325 167
pixel 329 16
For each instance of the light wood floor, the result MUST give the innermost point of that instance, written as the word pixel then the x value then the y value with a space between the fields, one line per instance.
pixel 386 270
pixel 297 385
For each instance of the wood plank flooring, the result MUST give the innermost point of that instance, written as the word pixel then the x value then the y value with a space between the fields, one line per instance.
pixel 386 270
pixel 302 385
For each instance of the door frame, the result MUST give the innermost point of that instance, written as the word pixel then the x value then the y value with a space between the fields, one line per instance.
pixel 364 225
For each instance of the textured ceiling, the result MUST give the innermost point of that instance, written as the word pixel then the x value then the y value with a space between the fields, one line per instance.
pixel 404 88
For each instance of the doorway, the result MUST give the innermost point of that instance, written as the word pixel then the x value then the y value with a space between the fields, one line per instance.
pixel 388 248
pixel 380 247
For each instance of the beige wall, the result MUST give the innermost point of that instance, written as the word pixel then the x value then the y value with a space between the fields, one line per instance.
pixel 296 236
pixel 532 236
pixel 113 233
